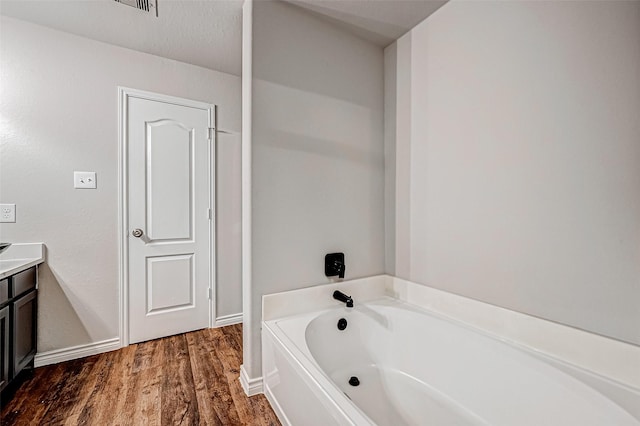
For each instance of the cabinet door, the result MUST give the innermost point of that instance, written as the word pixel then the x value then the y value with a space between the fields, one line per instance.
pixel 24 331
pixel 4 347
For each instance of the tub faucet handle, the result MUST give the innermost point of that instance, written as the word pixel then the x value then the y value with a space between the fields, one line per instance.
pixel 334 265
pixel 339 267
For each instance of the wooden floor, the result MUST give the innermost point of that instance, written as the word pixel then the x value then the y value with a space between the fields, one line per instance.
pixel 188 379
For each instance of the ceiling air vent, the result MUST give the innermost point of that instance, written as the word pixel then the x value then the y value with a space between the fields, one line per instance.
pixel 146 5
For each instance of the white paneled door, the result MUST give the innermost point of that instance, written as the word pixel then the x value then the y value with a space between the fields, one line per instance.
pixel 170 156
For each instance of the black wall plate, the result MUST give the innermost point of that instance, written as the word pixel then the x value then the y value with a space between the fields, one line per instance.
pixel 330 263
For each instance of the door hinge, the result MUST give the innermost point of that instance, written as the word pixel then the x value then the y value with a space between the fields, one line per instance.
pixel 210 295
pixel 210 214
pixel 210 133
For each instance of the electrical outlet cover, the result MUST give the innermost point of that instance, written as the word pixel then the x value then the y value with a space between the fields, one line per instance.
pixel 7 213
pixel 84 180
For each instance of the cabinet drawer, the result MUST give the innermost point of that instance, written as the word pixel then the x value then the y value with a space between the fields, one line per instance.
pixel 23 282
pixel 4 291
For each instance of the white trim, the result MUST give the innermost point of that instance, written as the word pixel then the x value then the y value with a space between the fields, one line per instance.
pixel 247 286
pixel 123 224
pixel 250 386
pixel 75 352
pixel 212 147
pixel 159 97
pixel 123 209
pixel 225 320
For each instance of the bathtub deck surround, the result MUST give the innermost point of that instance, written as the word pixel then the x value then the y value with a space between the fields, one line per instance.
pixel 597 369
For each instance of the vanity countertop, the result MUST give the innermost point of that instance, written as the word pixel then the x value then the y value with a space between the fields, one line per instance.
pixel 19 257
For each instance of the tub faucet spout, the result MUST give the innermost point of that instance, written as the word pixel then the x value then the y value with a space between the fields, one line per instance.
pixel 338 295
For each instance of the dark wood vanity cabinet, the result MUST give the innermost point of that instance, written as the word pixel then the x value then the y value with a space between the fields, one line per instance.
pixel 18 323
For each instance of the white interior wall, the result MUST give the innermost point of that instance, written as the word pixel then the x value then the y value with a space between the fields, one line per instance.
pixel 228 205
pixel 59 112
pixel 524 170
pixel 317 156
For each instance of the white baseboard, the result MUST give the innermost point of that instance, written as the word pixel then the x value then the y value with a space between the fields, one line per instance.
pixel 75 352
pixel 251 386
pixel 228 320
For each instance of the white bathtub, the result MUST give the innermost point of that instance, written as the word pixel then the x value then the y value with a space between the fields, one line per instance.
pixel 418 368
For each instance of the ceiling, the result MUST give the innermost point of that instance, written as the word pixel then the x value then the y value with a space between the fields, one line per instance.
pixel 379 21
pixel 208 33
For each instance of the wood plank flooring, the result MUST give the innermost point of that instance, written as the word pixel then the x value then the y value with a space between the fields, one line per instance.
pixel 188 379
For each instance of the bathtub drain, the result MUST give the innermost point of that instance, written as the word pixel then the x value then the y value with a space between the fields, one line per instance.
pixel 354 381
pixel 342 324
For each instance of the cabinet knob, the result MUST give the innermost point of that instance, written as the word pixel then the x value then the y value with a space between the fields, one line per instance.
pixel 137 232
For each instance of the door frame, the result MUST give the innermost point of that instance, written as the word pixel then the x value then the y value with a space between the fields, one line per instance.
pixel 124 93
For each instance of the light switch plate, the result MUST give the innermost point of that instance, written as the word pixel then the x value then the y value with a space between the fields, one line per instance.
pixel 84 180
pixel 7 213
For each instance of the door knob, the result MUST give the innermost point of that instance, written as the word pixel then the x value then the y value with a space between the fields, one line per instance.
pixel 137 232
